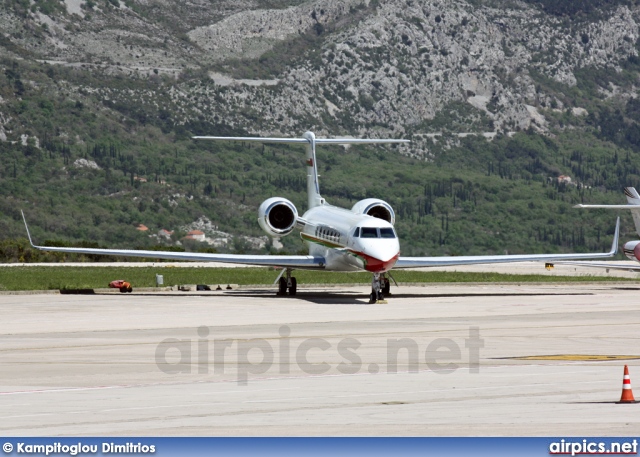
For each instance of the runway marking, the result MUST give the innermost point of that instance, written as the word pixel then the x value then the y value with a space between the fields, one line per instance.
pixel 30 415
pixel 458 389
pixel 256 379
pixel 62 389
pixel 575 357
pixel 282 400
pixel 246 391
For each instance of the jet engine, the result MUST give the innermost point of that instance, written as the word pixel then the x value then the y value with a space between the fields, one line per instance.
pixel 632 250
pixel 277 216
pixel 375 208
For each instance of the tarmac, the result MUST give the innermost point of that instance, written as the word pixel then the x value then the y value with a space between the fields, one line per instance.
pixel 437 360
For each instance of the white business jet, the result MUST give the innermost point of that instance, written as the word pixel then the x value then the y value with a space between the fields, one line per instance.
pixel 358 239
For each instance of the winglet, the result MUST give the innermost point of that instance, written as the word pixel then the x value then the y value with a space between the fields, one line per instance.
pixel 616 237
pixel 26 227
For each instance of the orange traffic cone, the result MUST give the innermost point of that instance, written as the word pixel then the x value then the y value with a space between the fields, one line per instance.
pixel 627 394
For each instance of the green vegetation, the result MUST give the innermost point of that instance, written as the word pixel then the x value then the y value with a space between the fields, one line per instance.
pixel 456 117
pixel 52 278
pixel 472 196
pixel 476 197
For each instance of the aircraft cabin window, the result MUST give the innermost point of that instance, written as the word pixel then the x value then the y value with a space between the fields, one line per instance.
pixel 369 232
pixel 356 234
pixel 387 233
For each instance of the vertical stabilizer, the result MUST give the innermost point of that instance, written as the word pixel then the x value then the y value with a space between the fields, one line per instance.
pixel 310 140
pixel 634 199
pixel 633 204
pixel 313 188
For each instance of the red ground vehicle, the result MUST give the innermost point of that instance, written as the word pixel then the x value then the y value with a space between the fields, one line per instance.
pixel 121 284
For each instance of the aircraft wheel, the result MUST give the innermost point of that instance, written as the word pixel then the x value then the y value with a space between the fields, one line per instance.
pixel 372 298
pixel 386 287
pixel 282 287
pixel 129 289
pixel 294 286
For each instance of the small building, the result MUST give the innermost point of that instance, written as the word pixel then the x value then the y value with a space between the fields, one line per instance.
pixel 166 234
pixel 196 235
pixel 565 179
pixel 142 228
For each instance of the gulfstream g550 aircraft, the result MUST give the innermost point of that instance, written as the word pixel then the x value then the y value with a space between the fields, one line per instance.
pixel 358 239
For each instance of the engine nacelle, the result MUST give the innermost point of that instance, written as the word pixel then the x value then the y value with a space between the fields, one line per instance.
pixel 375 208
pixel 632 250
pixel 277 216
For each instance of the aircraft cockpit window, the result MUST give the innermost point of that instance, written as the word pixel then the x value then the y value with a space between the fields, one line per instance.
pixel 387 233
pixel 369 232
pixel 356 234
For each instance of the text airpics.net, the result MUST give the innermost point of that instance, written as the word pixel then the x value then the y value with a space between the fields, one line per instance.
pixel 312 356
pixel 592 447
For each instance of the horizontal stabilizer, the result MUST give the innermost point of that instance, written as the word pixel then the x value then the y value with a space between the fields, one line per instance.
pixel 609 206
pixel 255 139
pixel 310 141
pixel 358 141
pixel 303 140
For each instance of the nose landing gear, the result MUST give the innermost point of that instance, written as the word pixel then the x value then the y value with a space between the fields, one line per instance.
pixel 379 288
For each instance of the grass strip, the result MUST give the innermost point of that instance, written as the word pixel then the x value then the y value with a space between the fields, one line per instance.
pixel 51 278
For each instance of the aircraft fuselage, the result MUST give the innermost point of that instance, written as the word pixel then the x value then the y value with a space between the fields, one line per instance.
pixel 349 241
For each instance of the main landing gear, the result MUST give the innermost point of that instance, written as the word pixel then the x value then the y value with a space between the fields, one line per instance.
pixel 380 287
pixel 288 282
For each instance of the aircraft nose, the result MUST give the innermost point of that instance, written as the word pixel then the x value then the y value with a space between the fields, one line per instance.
pixel 381 256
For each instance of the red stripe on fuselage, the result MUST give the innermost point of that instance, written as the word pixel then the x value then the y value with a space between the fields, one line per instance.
pixel 376 265
pixel 372 264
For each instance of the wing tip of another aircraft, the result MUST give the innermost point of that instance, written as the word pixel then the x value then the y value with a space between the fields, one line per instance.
pixel 616 238
pixel 27 228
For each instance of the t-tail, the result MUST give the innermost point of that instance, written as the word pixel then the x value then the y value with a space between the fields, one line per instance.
pixel 309 139
pixel 633 199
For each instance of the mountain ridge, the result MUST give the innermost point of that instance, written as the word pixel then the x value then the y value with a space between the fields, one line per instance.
pixel 125 84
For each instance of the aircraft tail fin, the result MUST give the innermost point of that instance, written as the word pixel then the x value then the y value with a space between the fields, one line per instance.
pixel 632 195
pixel 310 140
pixel 633 199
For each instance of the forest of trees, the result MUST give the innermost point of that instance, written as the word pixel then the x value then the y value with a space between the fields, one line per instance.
pixel 472 196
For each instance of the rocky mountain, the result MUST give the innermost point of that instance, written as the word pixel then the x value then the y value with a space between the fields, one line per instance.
pixel 125 83
pixel 360 67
